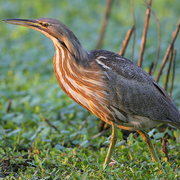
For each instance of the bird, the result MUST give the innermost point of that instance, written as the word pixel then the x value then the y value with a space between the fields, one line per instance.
pixel 107 84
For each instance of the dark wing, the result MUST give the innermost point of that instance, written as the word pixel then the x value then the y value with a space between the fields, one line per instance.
pixel 134 91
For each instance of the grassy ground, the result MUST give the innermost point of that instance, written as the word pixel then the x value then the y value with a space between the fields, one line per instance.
pixel 31 148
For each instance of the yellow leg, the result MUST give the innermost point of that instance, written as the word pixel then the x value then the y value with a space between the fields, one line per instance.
pixel 112 145
pixel 148 141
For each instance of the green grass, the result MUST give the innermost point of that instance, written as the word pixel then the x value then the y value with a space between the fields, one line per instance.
pixel 32 149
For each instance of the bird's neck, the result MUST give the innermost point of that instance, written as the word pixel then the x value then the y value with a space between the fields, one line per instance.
pixel 72 44
pixel 67 70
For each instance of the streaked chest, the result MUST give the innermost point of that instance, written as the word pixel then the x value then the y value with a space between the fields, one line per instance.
pixel 84 86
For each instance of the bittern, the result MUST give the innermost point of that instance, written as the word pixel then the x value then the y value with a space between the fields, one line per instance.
pixel 108 85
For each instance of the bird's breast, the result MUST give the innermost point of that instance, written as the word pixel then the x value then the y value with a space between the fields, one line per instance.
pixel 84 86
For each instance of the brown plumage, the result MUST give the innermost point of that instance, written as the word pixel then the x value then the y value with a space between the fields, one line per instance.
pixel 135 94
pixel 106 84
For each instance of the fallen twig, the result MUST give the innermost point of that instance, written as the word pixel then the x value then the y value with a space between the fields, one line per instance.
pixel 104 24
pixel 101 133
pixel 168 51
pixel 143 43
pixel 50 124
pixel 125 42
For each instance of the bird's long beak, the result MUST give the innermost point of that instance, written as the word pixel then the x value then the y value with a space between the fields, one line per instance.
pixel 30 23
pixel 41 25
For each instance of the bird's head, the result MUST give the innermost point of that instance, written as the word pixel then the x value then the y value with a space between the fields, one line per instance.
pixel 56 31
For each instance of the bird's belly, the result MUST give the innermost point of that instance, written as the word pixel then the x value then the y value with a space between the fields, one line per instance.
pixel 136 122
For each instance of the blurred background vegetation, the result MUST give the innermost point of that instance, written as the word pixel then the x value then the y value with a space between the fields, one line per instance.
pixel 27 78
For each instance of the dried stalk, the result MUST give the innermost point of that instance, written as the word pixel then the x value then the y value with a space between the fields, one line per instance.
pixel 144 34
pixel 151 69
pixel 9 106
pixel 168 51
pixel 104 24
pixel 159 37
pixel 169 68
pixel 125 42
pixel 173 74
pixel 165 148
pixel 134 35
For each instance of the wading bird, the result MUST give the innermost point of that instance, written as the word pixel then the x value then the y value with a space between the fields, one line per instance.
pixel 108 85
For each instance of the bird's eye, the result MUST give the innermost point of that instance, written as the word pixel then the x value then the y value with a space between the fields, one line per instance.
pixel 44 24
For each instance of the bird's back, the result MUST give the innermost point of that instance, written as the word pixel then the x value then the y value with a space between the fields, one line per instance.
pixel 134 96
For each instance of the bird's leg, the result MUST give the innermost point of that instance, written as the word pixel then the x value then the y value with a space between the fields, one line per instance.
pixel 112 145
pixel 148 141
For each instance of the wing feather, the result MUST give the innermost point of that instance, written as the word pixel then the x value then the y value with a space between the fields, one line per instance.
pixel 134 91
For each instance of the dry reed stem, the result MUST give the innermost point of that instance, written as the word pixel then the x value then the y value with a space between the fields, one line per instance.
pixel 175 33
pixel 173 74
pixel 159 38
pixel 168 70
pixel 134 35
pixel 165 148
pixel 104 24
pixel 143 43
pixel 126 40
pixel 151 69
